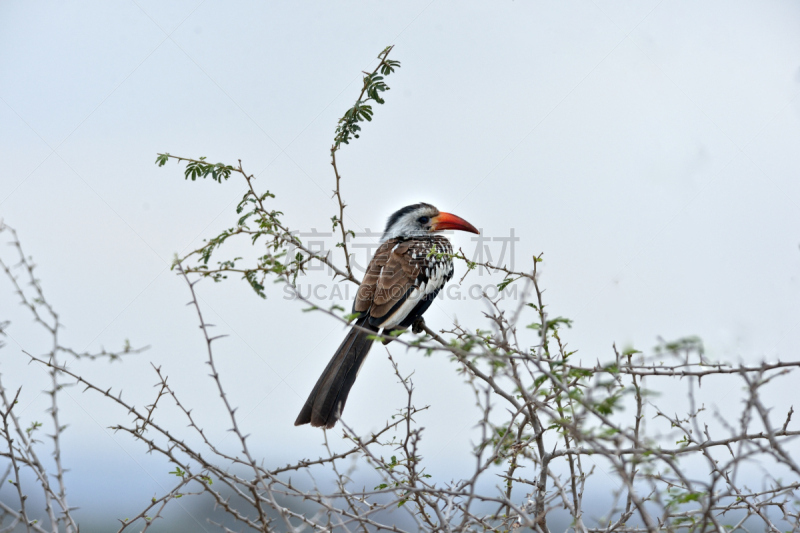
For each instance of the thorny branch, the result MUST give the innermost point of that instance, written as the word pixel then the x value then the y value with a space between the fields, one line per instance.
pixel 552 414
pixel 21 440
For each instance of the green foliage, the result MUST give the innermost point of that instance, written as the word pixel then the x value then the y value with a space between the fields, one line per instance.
pixel 505 283
pixel 608 405
pixel 257 223
pixel 552 324
pixel 503 439
pixel 676 497
pixel 284 257
pixel 32 428
pixel 252 278
pixel 373 87
pixel 201 169
pixel 683 345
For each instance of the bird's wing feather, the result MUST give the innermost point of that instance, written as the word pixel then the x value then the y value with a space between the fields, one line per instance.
pixel 398 277
pixel 366 291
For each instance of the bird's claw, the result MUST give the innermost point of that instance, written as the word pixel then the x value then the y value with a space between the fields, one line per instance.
pixel 418 325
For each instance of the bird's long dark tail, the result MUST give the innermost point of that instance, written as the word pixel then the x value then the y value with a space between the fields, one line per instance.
pixel 326 401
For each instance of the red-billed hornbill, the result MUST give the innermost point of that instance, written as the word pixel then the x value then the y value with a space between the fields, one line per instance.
pixel 407 272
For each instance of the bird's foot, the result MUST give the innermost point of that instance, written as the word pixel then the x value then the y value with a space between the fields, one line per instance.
pixel 418 325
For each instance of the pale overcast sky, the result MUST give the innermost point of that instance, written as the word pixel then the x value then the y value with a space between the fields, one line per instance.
pixel 648 148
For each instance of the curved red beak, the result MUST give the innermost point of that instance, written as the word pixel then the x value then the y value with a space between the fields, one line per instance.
pixel 444 221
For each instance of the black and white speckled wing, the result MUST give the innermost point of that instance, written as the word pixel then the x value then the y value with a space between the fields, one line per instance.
pixel 413 274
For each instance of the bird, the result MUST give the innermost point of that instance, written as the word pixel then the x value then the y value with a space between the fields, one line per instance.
pixel 409 268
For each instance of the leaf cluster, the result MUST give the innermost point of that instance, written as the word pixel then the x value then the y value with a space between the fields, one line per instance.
pixel 373 86
pixel 200 168
pixel 280 258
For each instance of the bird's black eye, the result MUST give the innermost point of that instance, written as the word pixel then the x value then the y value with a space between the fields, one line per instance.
pixel 423 220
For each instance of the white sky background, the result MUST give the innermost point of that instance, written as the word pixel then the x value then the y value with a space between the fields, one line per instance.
pixel 649 149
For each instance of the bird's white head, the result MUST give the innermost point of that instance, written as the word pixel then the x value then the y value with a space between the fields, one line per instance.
pixel 420 220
